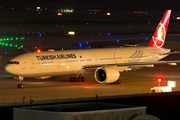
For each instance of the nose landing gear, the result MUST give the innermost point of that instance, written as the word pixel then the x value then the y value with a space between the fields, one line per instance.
pixel 20 85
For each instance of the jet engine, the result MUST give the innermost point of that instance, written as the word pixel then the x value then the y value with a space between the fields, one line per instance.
pixel 106 75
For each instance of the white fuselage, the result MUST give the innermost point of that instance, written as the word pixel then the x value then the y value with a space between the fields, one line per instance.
pixel 70 62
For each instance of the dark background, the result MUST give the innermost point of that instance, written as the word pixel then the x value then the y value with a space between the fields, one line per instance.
pixel 103 4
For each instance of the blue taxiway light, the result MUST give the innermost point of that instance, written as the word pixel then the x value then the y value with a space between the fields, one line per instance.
pixel 80 45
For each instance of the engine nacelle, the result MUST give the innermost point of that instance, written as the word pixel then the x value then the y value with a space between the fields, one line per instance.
pixel 106 75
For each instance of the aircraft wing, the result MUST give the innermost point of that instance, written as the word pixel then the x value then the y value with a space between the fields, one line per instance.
pixel 173 62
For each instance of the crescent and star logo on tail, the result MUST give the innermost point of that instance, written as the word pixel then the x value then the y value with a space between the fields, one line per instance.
pixel 160 34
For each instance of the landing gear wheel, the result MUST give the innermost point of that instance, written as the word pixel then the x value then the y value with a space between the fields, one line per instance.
pixel 118 81
pixel 75 79
pixel 79 79
pixel 82 79
pixel 20 86
pixel 71 79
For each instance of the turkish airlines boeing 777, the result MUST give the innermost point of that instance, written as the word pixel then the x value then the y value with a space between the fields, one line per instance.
pixel 106 62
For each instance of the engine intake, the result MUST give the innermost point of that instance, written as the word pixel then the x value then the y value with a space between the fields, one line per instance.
pixel 106 75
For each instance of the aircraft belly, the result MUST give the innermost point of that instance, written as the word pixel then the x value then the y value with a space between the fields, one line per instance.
pixel 47 74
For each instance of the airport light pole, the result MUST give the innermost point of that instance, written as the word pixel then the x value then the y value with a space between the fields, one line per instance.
pixel 23 101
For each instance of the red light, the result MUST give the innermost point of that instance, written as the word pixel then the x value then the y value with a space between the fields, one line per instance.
pixel 59 14
pixel 38 50
pixel 159 79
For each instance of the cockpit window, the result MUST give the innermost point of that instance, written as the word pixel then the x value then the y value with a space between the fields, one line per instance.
pixel 13 62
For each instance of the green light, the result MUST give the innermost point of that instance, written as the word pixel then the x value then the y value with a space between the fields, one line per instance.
pixel 6 44
pixel 0 39
pixel 21 38
pixel 7 38
pixel 16 38
pixel 10 45
pixel 11 38
pixel 2 43
pixel 15 46
pixel 21 46
pixel 4 39
pixel 35 47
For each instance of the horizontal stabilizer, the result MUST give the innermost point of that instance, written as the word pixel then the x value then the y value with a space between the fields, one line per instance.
pixel 168 53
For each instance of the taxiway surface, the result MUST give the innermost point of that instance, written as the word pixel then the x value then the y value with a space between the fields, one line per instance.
pixel 133 82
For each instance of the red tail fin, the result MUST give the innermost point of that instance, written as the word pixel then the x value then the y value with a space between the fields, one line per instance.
pixel 159 36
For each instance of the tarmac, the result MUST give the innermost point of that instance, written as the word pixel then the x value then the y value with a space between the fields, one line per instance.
pixel 133 82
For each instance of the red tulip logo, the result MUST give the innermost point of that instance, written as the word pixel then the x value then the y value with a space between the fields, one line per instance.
pixel 159 36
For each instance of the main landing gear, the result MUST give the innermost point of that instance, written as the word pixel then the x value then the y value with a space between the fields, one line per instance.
pixel 20 85
pixel 117 82
pixel 77 78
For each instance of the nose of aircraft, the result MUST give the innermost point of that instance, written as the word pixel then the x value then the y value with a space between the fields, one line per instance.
pixel 12 69
pixel 7 68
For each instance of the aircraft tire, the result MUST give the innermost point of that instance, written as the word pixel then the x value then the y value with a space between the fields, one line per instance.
pixel 79 79
pixel 82 79
pixel 75 79
pixel 118 81
pixel 71 79
pixel 20 86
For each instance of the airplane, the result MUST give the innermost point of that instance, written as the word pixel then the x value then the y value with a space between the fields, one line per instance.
pixel 105 63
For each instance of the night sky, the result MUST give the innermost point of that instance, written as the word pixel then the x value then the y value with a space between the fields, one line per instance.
pixel 103 4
